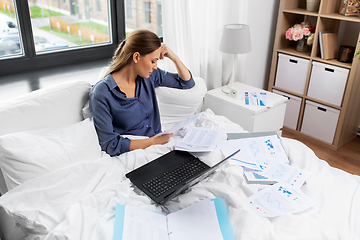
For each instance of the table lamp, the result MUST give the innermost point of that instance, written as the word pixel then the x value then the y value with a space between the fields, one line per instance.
pixel 235 40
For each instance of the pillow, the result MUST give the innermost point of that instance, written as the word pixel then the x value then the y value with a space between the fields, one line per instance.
pixel 178 104
pixel 55 106
pixel 26 155
pixel 86 110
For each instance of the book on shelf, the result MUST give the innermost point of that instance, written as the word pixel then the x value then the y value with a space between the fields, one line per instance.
pixel 321 43
pixel 329 41
pixel 206 219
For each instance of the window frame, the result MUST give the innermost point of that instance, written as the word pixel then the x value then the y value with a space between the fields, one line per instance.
pixel 31 61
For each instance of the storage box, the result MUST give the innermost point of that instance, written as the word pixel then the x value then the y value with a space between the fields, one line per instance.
pixel 291 73
pixel 320 121
pixel 327 83
pixel 292 109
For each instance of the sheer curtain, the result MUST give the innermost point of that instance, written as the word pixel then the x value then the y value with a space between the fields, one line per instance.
pixel 192 29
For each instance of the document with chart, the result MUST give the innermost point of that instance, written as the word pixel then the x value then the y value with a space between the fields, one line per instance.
pixel 255 149
pixel 279 199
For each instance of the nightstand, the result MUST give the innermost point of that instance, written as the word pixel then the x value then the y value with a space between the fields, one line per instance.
pixel 251 118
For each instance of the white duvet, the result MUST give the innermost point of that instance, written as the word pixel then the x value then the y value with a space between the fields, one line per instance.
pixel 78 202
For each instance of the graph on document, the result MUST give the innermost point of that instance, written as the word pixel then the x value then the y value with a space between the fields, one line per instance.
pixel 277 202
pixel 279 171
pixel 255 148
pixel 262 147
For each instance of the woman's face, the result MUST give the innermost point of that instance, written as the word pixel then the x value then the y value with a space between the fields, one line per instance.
pixel 147 63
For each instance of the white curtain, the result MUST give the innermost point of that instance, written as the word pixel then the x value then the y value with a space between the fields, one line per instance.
pixel 192 29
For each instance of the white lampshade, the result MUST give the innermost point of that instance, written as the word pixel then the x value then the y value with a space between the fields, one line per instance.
pixel 235 39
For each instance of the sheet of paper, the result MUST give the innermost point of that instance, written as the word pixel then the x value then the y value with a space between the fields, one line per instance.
pixel 198 221
pixel 257 99
pixel 284 173
pixel 243 158
pixel 181 124
pixel 279 199
pixel 255 150
pixel 144 224
pixel 199 140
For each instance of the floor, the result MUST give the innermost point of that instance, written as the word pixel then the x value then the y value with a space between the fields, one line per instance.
pixel 346 158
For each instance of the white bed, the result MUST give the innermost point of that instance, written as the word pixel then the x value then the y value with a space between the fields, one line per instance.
pixel 59 185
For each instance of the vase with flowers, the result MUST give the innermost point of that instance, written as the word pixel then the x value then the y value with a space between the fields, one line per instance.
pixel 303 34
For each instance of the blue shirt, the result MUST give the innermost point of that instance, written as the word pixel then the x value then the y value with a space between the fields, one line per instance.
pixel 114 114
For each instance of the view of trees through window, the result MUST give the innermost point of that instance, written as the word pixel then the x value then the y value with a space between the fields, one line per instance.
pixel 59 25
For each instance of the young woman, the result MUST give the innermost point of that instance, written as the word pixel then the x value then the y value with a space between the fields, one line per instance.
pixel 124 101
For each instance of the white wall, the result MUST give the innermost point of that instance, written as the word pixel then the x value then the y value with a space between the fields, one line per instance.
pixel 262 19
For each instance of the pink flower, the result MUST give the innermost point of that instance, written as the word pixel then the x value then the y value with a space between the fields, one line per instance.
pixel 300 31
pixel 289 34
pixel 306 31
pixel 297 35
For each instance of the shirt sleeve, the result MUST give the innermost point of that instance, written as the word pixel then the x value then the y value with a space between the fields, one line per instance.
pixel 110 141
pixel 168 79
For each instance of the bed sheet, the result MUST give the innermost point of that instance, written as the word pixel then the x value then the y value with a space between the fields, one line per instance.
pixel 78 202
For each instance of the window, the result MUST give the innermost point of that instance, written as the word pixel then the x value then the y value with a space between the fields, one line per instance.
pixel 98 5
pixel 147 12
pixel 159 19
pixel 139 16
pixel 44 33
pixel 128 10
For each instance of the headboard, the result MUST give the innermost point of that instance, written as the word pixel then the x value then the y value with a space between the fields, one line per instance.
pixel 54 106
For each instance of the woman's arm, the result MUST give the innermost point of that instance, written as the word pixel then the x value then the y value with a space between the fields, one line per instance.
pixel 182 70
pixel 144 143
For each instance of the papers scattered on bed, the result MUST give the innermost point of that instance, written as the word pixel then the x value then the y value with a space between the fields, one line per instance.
pixel 199 140
pixel 179 125
pixel 257 99
pixel 264 161
pixel 277 172
pixel 279 199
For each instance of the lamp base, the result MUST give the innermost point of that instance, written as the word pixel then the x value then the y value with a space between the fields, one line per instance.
pixel 230 91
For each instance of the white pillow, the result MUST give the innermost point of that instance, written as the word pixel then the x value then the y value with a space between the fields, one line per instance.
pixel 54 106
pixel 178 104
pixel 26 155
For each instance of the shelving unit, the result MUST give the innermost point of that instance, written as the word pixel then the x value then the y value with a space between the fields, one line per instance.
pixel 327 18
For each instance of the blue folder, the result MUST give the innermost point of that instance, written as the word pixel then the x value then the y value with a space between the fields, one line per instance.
pixel 221 211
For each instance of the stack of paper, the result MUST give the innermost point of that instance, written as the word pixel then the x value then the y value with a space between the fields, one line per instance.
pixel 181 124
pixel 257 99
pixel 199 140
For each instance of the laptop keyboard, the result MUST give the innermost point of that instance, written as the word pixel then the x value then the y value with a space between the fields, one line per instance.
pixel 167 180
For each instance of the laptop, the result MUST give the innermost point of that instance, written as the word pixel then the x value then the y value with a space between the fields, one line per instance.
pixel 171 174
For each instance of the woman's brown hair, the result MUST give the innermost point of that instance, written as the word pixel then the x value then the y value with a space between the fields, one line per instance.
pixel 141 41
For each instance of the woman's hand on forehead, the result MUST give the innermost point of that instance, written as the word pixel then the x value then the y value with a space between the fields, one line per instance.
pixel 166 52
